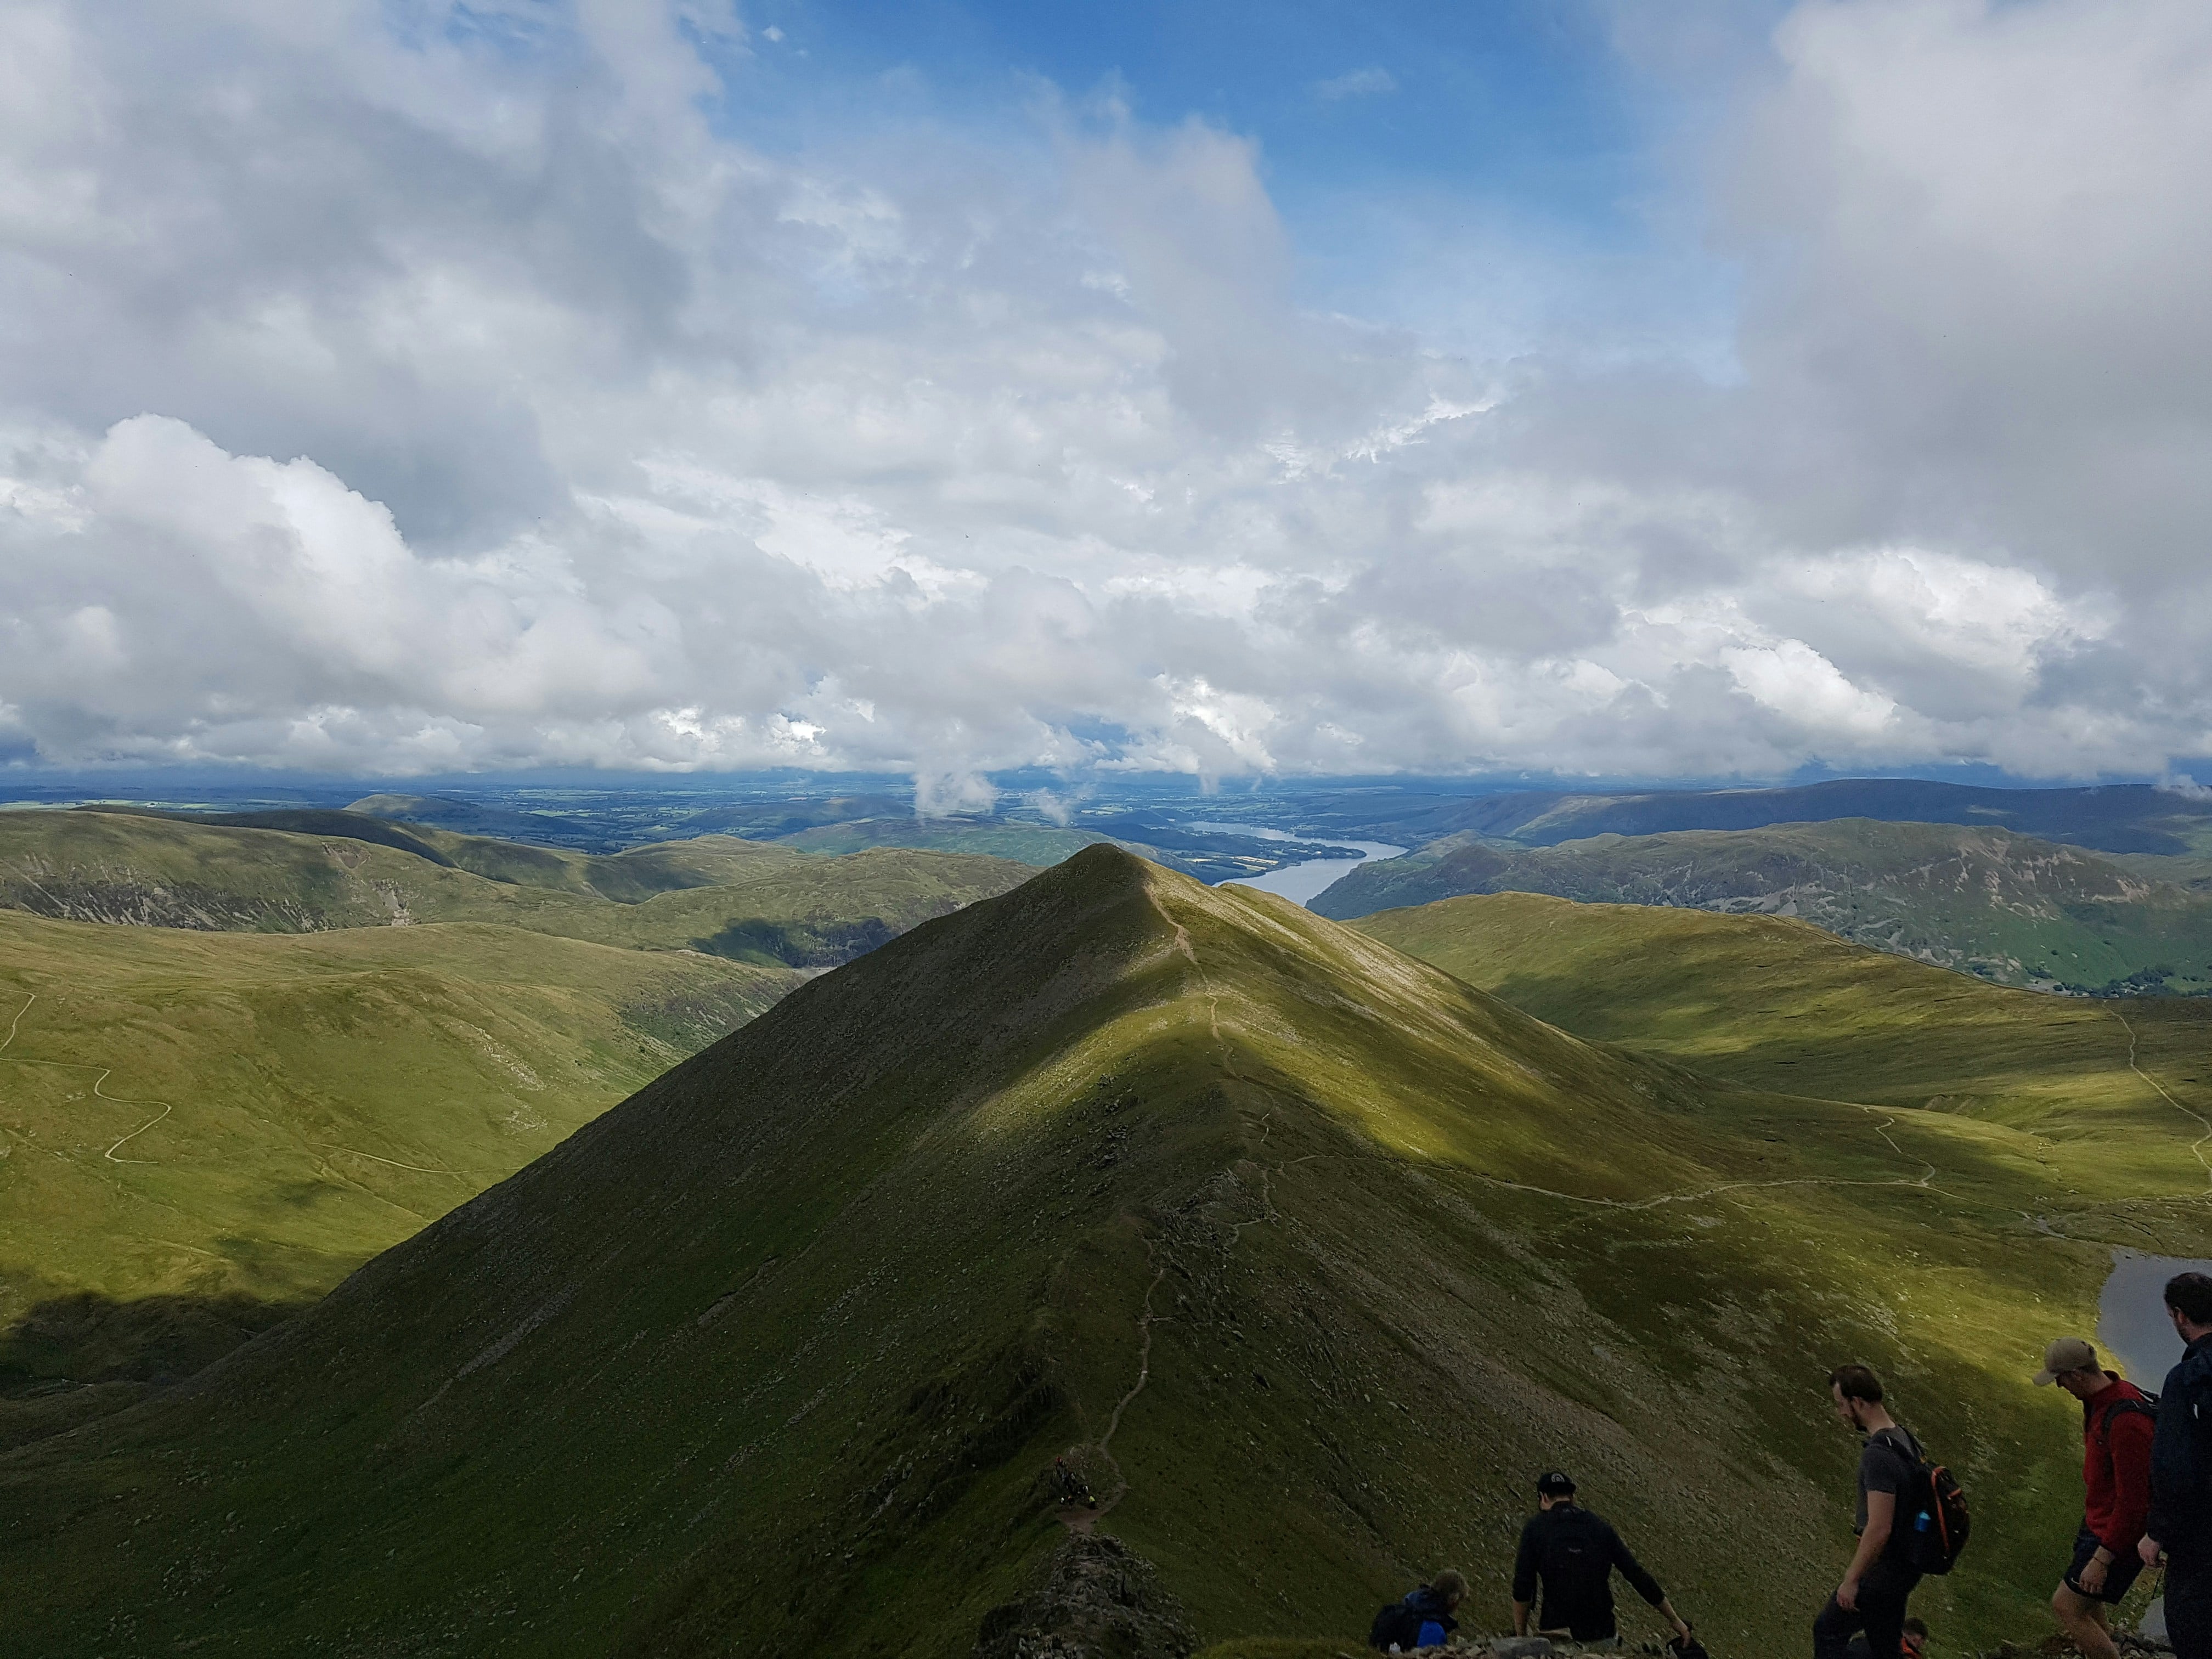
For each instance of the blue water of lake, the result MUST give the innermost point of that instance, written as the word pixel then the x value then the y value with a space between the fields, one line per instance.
pixel 2131 1321
pixel 1302 883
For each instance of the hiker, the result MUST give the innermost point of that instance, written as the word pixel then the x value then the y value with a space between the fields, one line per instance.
pixel 1073 1488
pixel 1876 1585
pixel 1423 1619
pixel 2117 1422
pixel 2180 1524
pixel 1574 1551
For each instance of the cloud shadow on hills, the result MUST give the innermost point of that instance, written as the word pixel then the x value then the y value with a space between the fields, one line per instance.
pixel 88 1337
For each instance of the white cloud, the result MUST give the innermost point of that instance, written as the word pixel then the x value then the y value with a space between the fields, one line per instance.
pixel 1799 684
pixel 421 404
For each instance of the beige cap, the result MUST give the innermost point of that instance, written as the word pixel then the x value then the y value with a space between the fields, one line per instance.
pixel 2068 1353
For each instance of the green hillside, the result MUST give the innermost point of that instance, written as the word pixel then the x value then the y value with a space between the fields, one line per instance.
pixel 1779 1004
pixel 200 1129
pixel 1034 844
pixel 596 820
pixel 2128 817
pixel 2011 909
pixel 166 872
pixel 1308 1252
pixel 345 1038
pixel 747 900
pixel 1209 857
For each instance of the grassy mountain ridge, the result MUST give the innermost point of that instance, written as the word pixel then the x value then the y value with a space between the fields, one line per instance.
pixel 346 1038
pixel 716 894
pixel 296 820
pixel 2133 817
pixel 647 817
pixel 222 1120
pixel 1309 1252
pixel 1775 1002
pixel 832 824
pixel 170 872
pixel 2012 910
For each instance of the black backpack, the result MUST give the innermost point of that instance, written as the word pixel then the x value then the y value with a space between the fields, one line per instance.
pixel 2148 1406
pixel 1932 1518
pixel 1396 1623
pixel 1400 1623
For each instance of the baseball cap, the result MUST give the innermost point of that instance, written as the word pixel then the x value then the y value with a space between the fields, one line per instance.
pixel 1554 1483
pixel 2068 1353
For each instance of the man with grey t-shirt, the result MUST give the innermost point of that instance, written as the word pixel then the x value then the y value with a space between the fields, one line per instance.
pixel 1877 1584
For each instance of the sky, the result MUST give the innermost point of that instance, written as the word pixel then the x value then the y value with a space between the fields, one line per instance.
pixel 1573 387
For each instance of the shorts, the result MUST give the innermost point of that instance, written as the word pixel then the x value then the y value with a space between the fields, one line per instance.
pixel 2119 1576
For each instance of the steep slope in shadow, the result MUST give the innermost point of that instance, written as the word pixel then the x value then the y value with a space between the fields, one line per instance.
pixel 1307 1253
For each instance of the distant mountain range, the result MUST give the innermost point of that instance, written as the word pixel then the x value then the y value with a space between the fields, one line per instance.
pixel 297 872
pixel 2132 817
pixel 837 823
pixel 2008 908
pixel 1307 1253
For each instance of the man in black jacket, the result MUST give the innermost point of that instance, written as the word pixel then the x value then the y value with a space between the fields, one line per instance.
pixel 1573 1553
pixel 2181 1495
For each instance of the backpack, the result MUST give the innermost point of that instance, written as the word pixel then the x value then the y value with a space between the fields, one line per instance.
pixel 1405 1625
pixel 1932 1519
pixel 2148 1406
pixel 1396 1623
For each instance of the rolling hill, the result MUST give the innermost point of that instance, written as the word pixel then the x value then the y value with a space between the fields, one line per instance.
pixel 1308 1252
pixel 2129 817
pixel 203 1132
pixel 346 1028
pixel 751 901
pixel 1780 1004
pixel 601 821
pixel 2011 909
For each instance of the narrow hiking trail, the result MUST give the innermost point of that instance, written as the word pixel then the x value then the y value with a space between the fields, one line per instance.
pixel 332 1146
pixel 2044 1224
pixel 2196 1146
pixel 1083 1520
pixel 99 1091
pixel 98 1088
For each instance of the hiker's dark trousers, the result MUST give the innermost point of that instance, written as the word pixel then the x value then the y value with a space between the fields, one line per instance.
pixel 2189 1603
pixel 1880 1614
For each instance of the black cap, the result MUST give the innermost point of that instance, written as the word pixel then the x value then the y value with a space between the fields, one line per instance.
pixel 1554 1483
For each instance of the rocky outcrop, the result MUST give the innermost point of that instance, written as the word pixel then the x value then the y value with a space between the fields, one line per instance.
pixel 1099 1600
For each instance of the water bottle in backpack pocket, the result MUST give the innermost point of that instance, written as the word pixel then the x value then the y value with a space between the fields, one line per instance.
pixel 1940 1521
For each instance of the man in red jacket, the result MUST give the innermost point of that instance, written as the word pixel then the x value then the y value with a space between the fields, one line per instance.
pixel 2117 1422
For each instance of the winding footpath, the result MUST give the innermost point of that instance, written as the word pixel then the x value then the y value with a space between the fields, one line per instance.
pixel 1084 1520
pixel 2197 1145
pixel 99 1089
